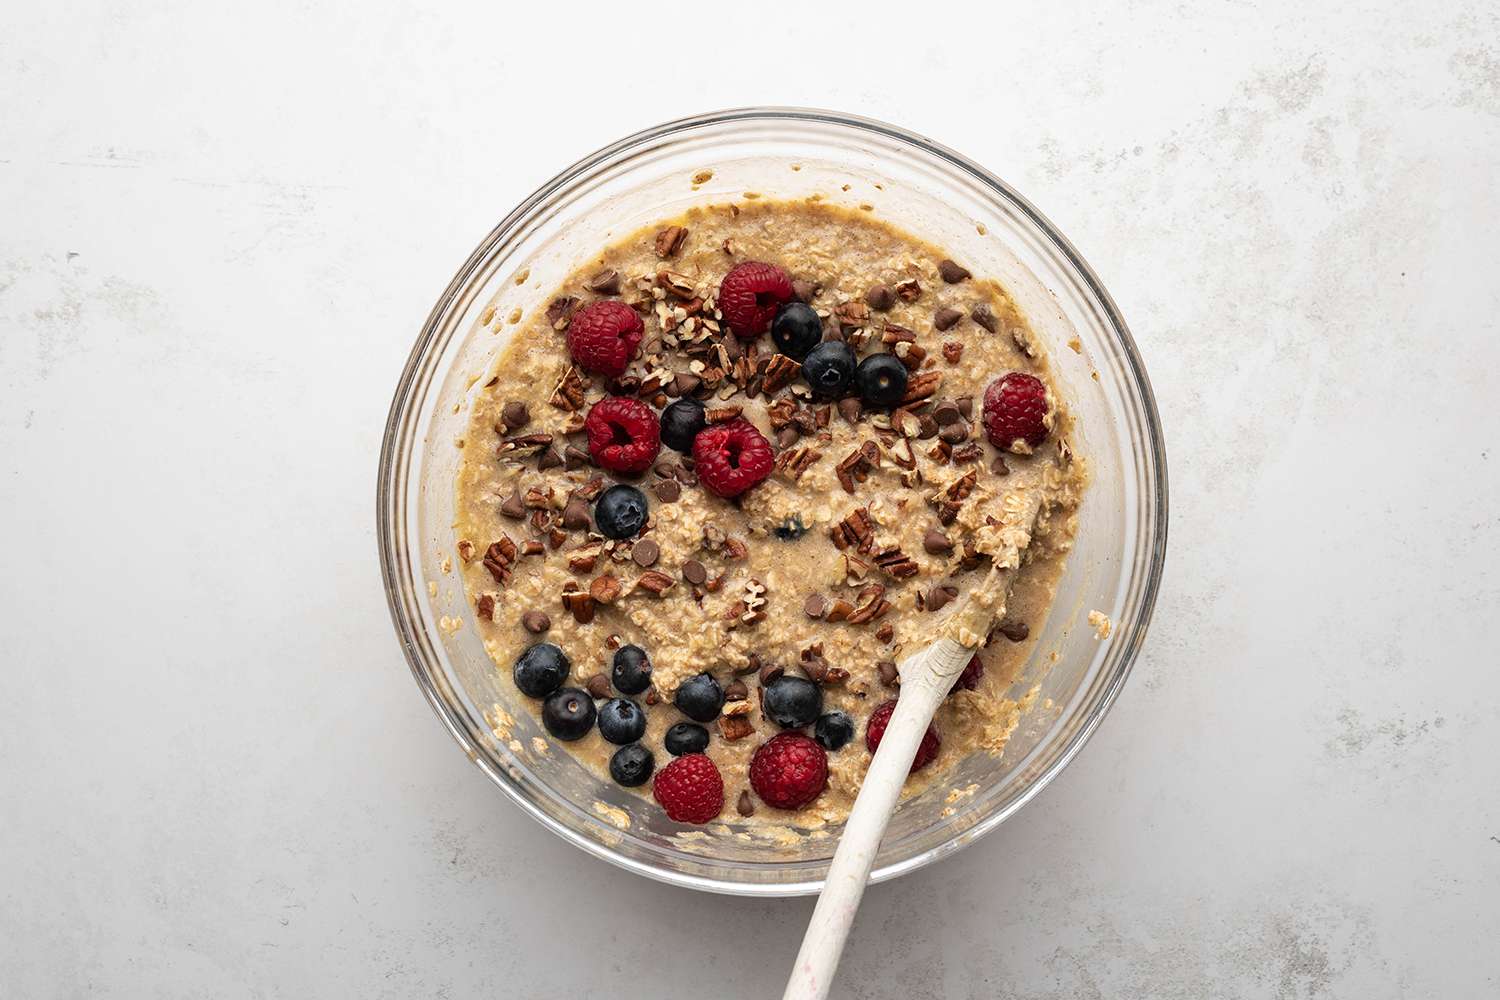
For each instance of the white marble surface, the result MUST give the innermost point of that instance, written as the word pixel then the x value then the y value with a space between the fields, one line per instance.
pixel 220 227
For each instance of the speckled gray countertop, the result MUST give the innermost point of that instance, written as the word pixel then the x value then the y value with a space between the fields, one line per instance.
pixel 219 232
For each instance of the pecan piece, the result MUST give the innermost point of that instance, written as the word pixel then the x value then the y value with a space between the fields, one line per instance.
pixel 734 727
pixel 780 371
pixel 655 581
pixel 605 589
pixel 560 311
pixel 921 386
pixel 669 241
pixel 499 558
pixel 897 564
pixel 578 603
pixel 569 394
pixel 795 461
pixel 857 530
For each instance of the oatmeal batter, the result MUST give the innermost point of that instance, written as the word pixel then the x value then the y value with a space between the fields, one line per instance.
pixel 855 551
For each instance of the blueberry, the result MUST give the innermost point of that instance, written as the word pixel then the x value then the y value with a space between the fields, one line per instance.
pixel 686 737
pixel 541 670
pixel 632 670
pixel 792 702
pixel 568 713
pixel 796 329
pixel 680 423
pixel 881 379
pixel 620 512
pixel 829 368
pixel 699 698
pixel 631 766
pixel 621 721
pixel 833 730
pixel 791 528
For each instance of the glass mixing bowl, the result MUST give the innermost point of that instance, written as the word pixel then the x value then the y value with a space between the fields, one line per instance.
pixel 784 153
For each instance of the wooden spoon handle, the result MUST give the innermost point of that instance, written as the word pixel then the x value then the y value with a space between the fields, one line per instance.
pixel 925 680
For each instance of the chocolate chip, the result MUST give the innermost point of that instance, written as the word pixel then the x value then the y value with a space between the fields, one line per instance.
pixel 652 695
pixel 880 297
pixel 939 597
pixel 668 491
pixel 927 427
pixel 955 433
pixel 736 691
pixel 984 316
pixel 998 466
pixel 645 552
pixel 965 406
pixel 946 412
pixel 515 415
pixel 606 282
pixel 946 317
pixel 597 686
pixel 951 272
pixel 575 457
pixel 804 290
pixel 549 459
pixel 850 409
pixel 889 675
pixel 513 507
pixel 769 673
pixel 936 541
pixel 1014 631
pixel 787 436
pixel 746 805
pixel 815 667
pixel 693 572
pixel 536 622
pixel 815 605
pixel 576 514
pixel 685 383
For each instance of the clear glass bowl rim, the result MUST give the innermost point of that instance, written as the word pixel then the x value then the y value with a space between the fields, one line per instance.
pixel 399 432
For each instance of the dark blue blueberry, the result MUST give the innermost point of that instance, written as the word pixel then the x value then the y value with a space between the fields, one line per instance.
pixel 541 670
pixel 620 512
pixel 621 721
pixel 686 737
pixel 792 702
pixel 680 423
pixel 699 698
pixel 833 730
pixel 632 670
pixel 632 766
pixel 568 713
pixel 796 329
pixel 881 380
pixel 791 529
pixel 829 368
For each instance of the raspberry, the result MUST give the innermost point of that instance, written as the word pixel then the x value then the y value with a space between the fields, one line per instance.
pixel 624 434
pixel 732 457
pixel 690 789
pixel 750 294
pixel 927 750
pixel 969 679
pixel 1015 411
pixel 788 771
pixel 603 336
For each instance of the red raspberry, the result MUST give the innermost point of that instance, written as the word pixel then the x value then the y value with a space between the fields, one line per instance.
pixel 927 750
pixel 969 679
pixel 690 789
pixel 603 336
pixel 788 771
pixel 750 294
pixel 624 434
pixel 1015 410
pixel 732 457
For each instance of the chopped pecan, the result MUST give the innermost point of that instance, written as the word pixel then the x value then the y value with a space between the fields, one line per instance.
pixel 669 241
pixel 902 455
pixel 886 632
pixel 721 414
pixel 922 386
pixel 578 603
pixel 569 393
pixel 499 558
pixel 560 311
pixel 857 465
pixel 795 461
pixel 679 286
pixel 910 355
pixel 780 412
pixel 466 550
pixel 735 549
pixel 656 582
pixel 857 530
pixel 909 290
pixel 952 351
pixel 584 558
pixel 965 453
pixel 839 610
pixel 941 452
pixel 735 727
pixel 852 315
pixel 875 605
pixel 486 607
pixel 897 564
pixel 532 547
pixel 780 372
pixel 524 444
pixel 605 589
pixel 893 334
pixel 537 498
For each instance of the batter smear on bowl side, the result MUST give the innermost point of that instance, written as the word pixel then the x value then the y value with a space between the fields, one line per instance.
pixel 742 463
